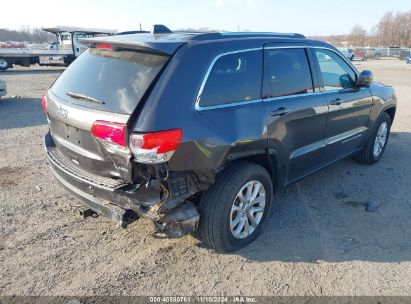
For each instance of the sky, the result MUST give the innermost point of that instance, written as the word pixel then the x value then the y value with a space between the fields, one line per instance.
pixel 315 17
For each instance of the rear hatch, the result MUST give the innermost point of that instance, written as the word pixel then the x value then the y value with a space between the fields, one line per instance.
pixel 103 84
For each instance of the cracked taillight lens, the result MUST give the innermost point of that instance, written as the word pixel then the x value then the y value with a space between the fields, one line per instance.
pixel 155 147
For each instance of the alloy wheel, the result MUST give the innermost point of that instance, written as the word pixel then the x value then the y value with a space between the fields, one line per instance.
pixel 247 209
pixel 380 139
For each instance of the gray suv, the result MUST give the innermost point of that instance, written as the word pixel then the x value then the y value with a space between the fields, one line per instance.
pixel 199 131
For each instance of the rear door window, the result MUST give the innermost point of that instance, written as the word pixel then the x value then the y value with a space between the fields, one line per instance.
pixel 116 80
pixel 286 72
pixel 233 78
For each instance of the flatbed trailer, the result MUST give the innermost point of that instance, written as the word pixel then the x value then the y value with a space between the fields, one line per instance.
pixel 27 57
pixel 62 52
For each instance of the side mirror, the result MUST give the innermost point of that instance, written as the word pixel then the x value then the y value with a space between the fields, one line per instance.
pixel 365 78
pixel 346 81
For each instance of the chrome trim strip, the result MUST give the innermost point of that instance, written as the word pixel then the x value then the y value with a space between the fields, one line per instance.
pixel 331 91
pixel 345 135
pixel 351 138
pixel 307 149
pixel 227 105
pixel 238 103
pixel 304 46
pixel 291 96
pixel 197 104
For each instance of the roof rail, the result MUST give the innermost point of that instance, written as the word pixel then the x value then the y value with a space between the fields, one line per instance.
pixel 206 36
pixel 209 36
pixel 162 29
pixel 274 34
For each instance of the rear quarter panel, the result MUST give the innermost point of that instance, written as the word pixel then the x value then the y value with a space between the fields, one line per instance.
pixel 211 136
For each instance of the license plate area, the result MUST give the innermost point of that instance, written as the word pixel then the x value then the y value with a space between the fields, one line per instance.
pixel 72 134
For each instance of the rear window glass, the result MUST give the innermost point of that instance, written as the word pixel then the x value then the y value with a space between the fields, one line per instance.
pixel 287 72
pixel 115 80
pixel 233 78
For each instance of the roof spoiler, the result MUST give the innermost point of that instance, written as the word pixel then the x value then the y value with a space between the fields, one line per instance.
pixel 146 42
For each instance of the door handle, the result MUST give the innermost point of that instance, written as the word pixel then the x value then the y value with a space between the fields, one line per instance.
pixel 336 102
pixel 279 112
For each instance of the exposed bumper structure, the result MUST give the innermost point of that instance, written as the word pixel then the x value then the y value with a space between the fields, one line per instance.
pixel 117 214
pixel 120 202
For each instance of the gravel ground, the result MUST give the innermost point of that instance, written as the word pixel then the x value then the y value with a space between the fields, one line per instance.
pixel 319 240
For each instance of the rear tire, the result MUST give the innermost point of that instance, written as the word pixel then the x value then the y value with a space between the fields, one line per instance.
pixel 377 141
pixel 229 217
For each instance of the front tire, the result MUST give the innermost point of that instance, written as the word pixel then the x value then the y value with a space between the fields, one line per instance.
pixel 233 210
pixel 377 141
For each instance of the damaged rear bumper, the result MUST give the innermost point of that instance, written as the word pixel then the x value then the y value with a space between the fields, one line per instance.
pixel 122 203
pixel 121 216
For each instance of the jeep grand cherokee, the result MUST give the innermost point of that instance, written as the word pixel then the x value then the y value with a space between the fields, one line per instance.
pixel 198 131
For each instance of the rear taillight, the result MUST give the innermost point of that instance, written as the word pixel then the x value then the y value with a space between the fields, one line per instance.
pixel 110 132
pixel 156 147
pixel 104 46
pixel 44 104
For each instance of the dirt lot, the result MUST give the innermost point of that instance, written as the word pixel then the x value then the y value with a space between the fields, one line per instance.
pixel 319 240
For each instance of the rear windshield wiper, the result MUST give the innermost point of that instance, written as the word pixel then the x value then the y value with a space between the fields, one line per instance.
pixel 84 97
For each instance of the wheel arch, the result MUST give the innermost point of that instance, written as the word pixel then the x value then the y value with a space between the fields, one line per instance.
pixel 269 159
pixel 391 111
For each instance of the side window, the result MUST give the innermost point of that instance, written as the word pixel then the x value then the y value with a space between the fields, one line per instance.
pixel 286 72
pixel 336 73
pixel 233 78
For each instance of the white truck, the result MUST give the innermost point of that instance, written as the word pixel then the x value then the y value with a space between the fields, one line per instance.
pixel 63 51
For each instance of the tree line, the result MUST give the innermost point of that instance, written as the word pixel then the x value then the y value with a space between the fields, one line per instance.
pixel 26 34
pixel 393 29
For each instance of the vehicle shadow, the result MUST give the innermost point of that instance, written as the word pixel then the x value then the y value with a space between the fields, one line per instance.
pixel 32 71
pixel 21 113
pixel 323 217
